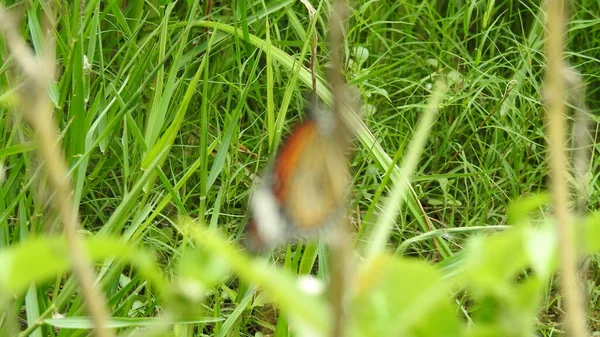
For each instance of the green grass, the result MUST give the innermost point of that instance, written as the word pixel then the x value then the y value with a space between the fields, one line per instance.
pixel 181 109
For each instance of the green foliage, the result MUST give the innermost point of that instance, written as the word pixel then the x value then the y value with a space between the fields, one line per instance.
pixel 403 297
pixel 504 275
pixel 39 259
pixel 167 109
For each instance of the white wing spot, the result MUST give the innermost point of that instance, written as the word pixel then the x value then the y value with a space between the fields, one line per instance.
pixel 269 221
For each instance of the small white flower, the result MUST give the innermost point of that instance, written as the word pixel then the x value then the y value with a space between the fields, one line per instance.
pixel 311 285
pixel 192 289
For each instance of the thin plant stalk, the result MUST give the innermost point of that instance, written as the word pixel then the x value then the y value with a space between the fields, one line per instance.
pixel 575 323
pixel 37 110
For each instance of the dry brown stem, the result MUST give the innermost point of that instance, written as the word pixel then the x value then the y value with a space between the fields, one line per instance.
pixel 340 242
pixel 38 74
pixel 575 320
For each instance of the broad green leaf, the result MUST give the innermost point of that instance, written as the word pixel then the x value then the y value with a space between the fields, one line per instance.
pixel 198 272
pixel 402 297
pixel 519 210
pixel 305 311
pixel 492 262
pixel 591 233
pixel 39 259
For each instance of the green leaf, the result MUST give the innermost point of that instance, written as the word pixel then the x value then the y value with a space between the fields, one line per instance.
pixel 492 262
pixel 591 233
pixel 39 259
pixel 305 311
pixel 518 210
pixel 403 297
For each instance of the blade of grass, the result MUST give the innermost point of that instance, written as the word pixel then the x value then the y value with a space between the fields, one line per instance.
pixel 381 232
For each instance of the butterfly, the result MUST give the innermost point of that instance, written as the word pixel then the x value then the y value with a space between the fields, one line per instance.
pixel 305 190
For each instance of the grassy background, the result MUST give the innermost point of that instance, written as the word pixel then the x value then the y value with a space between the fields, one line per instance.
pixel 152 84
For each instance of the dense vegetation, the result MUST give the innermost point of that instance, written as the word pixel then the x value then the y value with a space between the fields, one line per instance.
pixel 169 110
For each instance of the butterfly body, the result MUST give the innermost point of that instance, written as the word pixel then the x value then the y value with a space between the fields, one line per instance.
pixel 305 191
